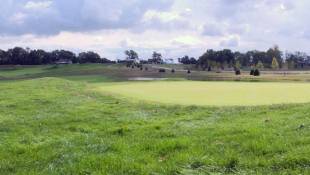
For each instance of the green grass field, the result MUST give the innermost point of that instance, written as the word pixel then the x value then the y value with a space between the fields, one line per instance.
pixel 69 121
pixel 213 93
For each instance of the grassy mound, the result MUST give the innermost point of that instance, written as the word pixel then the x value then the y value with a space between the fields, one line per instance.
pixel 56 126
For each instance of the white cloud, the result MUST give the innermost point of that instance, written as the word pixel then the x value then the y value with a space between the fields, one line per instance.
pixel 174 27
pixel 128 43
pixel 230 42
pixel 38 5
pixel 18 18
pixel 163 16
pixel 213 29
pixel 187 40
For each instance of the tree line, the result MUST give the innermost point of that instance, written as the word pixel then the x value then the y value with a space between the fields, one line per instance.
pixel 227 58
pixel 21 56
pixel 273 58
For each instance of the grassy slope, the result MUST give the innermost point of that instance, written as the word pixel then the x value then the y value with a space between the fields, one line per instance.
pixel 120 73
pixel 56 126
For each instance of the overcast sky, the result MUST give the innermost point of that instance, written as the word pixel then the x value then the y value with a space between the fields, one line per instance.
pixel 172 27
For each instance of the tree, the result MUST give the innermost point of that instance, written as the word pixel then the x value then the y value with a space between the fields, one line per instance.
pixel 187 60
pixel 260 65
pixel 131 55
pixel 17 56
pixel 297 60
pixel 220 58
pixel 37 57
pixel 184 60
pixel 242 58
pixel 274 64
pixel 67 55
pixel 237 65
pixel 21 56
pixel 237 68
pixel 272 53
pixel 291 64
pixel 226 57
pixel 89 57
pixel 3 57
pixel 192 60
pixel 156 58
pixel 208 57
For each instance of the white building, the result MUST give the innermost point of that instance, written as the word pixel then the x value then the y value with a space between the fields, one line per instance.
pixel 170 61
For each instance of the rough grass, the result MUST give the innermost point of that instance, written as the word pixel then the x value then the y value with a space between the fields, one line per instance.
pixel 56 126
pixel 213 93
pixel 118 72
pixel 62 126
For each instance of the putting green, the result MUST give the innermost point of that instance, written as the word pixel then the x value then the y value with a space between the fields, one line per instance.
pixel 213 93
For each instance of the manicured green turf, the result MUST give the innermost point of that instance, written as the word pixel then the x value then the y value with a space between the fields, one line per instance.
pixel 214 93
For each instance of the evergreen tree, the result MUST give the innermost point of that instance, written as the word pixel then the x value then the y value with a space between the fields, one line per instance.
pixel 238 65
pixel 260 65
pixel 275 63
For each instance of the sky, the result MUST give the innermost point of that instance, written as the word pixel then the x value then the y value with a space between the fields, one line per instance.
pixel 172 27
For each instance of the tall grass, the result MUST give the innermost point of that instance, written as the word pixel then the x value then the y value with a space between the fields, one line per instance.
pixel 56 126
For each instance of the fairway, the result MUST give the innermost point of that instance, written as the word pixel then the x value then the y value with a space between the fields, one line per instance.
pixel 213 93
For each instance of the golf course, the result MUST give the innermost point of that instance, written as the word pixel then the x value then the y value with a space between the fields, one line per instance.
pixel 154 87
pixel 92 119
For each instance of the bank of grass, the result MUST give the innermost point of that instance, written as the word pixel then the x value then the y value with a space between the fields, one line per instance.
pixel 57 126
pixel 119 72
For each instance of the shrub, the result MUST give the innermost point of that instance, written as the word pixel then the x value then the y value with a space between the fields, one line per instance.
pixel 162 70
pixel 238 72
pixel 256 72
pixel 252 72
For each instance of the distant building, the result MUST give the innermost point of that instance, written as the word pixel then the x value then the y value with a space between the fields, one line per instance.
pixel 137 61
pixel 170 61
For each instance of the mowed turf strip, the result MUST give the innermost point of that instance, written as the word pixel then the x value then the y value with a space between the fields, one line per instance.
pixel 213 93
